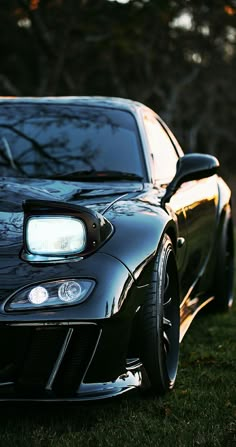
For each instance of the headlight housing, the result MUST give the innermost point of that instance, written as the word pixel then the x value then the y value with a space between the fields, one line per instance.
pixel 58 232
pixel 50 294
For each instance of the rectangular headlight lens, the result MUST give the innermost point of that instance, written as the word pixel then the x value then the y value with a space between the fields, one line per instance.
pixel 57 235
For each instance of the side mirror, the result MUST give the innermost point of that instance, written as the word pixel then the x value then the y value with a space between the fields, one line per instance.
pixel 191 167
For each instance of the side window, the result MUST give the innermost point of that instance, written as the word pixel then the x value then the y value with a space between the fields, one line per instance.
pixel 162 150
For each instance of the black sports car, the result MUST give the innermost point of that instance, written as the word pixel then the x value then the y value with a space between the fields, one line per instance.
pixel 111 241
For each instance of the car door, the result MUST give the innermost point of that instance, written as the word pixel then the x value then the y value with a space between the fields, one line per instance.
pixel 164 157
pixel 200 199
pixel 194 204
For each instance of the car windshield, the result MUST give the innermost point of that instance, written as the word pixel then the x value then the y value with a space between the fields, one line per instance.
pixel 46 140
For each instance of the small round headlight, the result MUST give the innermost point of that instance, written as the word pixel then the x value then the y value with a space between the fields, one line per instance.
pixel 69 291
pixel 38 295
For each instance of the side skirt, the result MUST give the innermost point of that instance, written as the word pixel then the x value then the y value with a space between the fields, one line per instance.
pixel 188 310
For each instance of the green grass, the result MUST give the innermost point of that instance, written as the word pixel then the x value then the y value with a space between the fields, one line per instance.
pixel 200 411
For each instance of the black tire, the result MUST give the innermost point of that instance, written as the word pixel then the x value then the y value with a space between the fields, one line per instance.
pixel 160 322
pixel 224 274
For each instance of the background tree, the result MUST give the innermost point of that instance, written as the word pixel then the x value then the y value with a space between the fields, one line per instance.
pixel 176 56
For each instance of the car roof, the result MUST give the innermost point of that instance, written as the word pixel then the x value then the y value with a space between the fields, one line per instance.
pixel 99 101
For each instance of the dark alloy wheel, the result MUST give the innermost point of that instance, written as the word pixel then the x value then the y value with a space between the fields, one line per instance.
pixel 160 321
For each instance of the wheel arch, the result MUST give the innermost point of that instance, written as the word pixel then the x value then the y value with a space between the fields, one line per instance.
pixel 137 238
pixel 171 231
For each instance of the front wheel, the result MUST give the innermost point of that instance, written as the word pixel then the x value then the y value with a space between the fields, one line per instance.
pixel 160 321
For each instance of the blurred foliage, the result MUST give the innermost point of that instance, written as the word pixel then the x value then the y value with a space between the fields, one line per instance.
pixel 179 57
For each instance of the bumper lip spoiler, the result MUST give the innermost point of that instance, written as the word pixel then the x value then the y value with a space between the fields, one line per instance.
pixel 130 380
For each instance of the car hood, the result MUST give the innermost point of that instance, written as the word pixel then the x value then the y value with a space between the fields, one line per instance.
pixel 13 192
pixel 118 201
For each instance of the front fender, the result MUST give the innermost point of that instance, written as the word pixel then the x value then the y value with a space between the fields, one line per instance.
pixel 113 285
pixel 138 232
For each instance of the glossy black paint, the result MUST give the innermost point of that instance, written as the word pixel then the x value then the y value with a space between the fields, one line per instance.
pixel 101 334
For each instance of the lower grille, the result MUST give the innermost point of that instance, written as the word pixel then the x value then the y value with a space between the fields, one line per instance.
pixel 76 359
pixel 33 357
pixel 40 358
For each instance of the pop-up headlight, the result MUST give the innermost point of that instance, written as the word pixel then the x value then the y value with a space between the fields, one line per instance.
pixel 55 235
pixel 60 232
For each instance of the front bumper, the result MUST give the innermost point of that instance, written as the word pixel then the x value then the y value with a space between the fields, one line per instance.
pixel 77 352
pixel 48 363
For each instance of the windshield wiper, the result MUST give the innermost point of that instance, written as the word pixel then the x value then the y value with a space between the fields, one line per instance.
pixel 9 153
pixel 98 175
